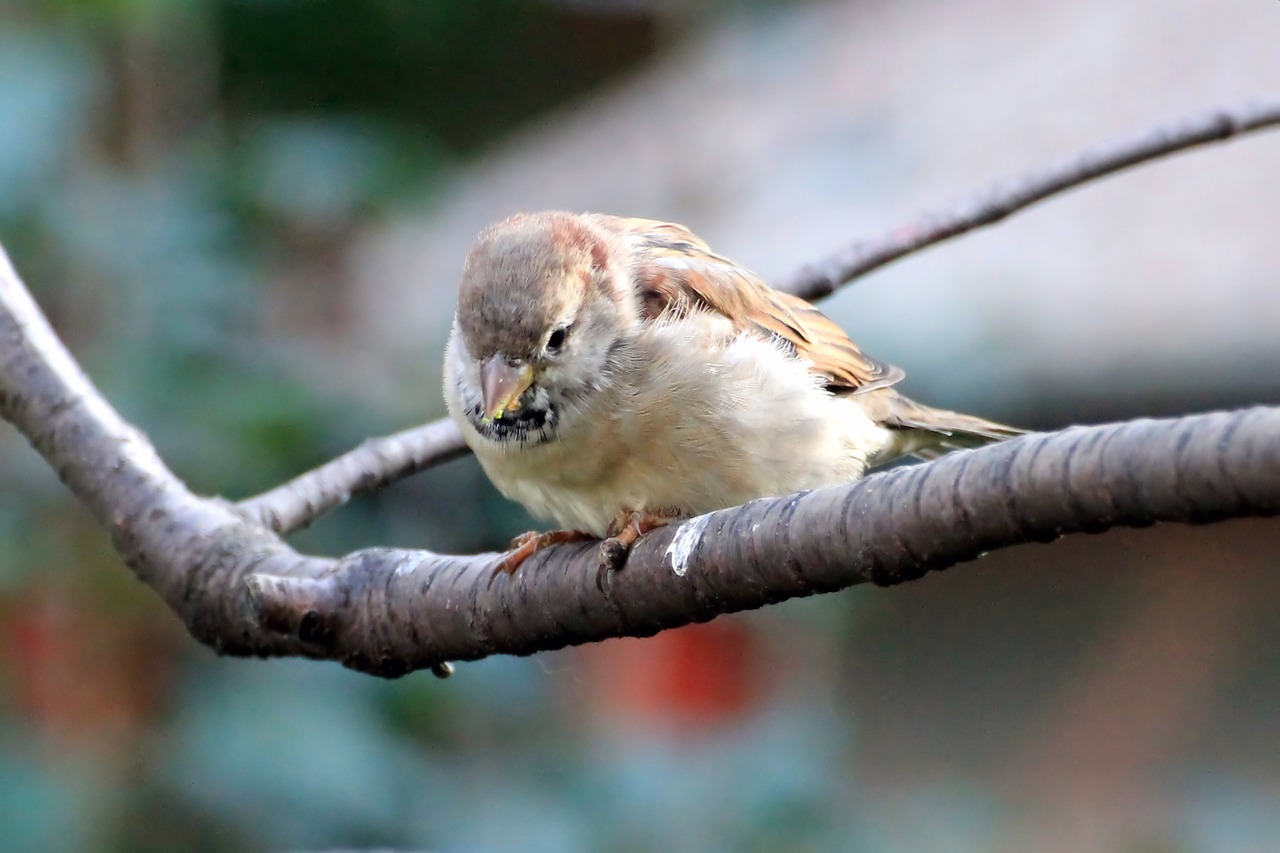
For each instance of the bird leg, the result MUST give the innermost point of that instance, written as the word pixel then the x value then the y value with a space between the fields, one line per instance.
pixel 526 545
pixel 627 526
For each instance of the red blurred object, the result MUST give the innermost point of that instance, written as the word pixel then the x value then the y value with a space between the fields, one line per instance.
pixel 75 672
pixel 691 677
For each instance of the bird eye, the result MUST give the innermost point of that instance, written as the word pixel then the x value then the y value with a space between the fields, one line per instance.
pixel 556 341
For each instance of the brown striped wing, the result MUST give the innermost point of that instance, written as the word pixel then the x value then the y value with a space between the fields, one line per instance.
pixel 676 271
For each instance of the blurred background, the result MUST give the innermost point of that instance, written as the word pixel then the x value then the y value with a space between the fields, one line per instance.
pixel 247 218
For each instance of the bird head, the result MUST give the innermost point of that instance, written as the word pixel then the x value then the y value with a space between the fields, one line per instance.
pixel 541 308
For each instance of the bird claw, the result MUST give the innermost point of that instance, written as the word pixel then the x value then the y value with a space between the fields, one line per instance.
pixel 623 532
pixel 520 540
pixel 526 545
pixel 626 528
pixel 507 566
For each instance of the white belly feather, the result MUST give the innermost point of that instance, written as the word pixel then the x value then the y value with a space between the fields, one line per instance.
pixel 703 431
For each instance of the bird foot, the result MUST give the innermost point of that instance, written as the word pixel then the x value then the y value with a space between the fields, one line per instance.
pixel 626 527
pixel 526 545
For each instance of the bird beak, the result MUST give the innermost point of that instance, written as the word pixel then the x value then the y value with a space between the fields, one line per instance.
pixel 503 384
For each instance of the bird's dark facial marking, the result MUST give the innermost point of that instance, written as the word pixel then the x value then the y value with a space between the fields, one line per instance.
pixel 529 425
pixel 524 418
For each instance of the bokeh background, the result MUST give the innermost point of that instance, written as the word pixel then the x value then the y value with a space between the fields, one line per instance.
pixel 247 217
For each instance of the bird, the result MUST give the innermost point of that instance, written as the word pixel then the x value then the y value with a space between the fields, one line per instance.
pixel 613 375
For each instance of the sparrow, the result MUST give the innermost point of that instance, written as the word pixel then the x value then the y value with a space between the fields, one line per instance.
pixel 613 375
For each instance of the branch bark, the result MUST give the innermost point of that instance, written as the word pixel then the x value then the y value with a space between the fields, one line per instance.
pixel 380 461
pixel 240 589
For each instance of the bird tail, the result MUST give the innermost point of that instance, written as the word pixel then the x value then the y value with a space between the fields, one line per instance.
pixel 928 433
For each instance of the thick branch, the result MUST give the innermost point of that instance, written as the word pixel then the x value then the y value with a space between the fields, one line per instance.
pixel 380 461
pixel 195 552
pixel 389 612
pixel 240 589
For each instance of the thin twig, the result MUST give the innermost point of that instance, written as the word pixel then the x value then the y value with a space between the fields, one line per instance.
pixel 374 464
pixel 821 279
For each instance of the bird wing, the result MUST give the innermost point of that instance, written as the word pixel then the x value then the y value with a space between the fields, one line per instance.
pixel 676 271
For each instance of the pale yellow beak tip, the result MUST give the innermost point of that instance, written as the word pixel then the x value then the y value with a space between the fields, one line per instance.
pixel 503 385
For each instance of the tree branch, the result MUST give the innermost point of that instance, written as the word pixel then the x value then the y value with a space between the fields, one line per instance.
pixel 377 462
pixel 988 207
pixel 243 591
pixel 389 612
pixel 380 461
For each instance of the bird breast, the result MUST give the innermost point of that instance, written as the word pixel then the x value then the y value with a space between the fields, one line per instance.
pixel 696 418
